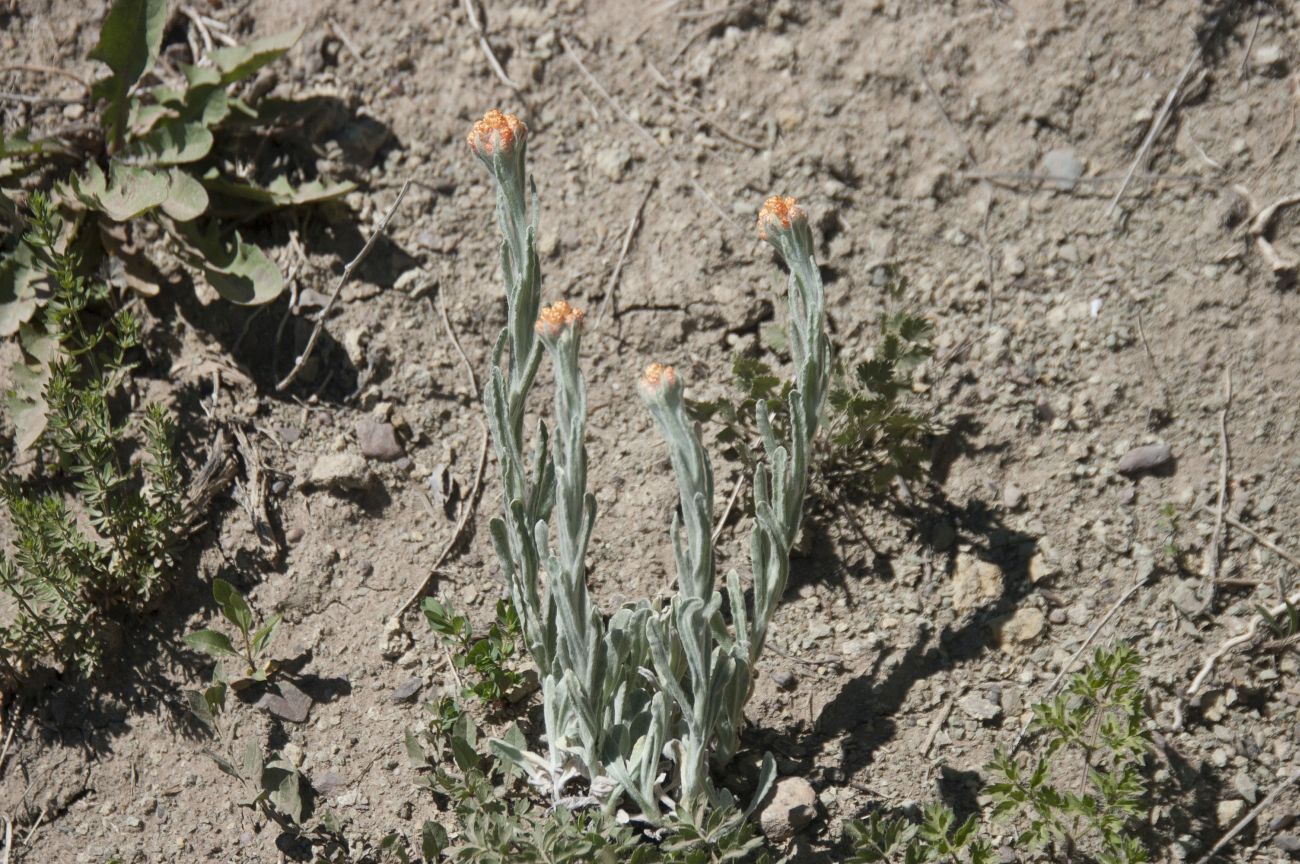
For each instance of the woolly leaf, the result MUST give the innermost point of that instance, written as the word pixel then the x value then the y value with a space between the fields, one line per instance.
pixel 240 61
pixel 171 142
pixel 125 193
pixel 129 42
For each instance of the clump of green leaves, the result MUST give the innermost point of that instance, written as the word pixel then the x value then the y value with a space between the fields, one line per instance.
pixel 1092 734
pixel 486 660
pixel 167 164
pixel 274 784
pixel 491 827
pixel 1095 730
pixel 66 577
pixel 938 838
pixel 873 432
pixel 252 652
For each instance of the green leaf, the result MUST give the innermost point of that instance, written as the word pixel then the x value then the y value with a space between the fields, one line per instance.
pixel 127 192
pixel 253 762
pixel 186 197
pixel 433 839
pixel 19 278
pixel 171 142
pixel 240 61
pixel 240 272
pixel 211 642
pixel 262 637
pixel 233 605
pixel 280 192
pixel 128 43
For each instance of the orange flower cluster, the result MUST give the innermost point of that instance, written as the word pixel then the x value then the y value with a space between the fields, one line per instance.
pixel 496 129
pixel 777 214
pixel 554 318
pixel 658 375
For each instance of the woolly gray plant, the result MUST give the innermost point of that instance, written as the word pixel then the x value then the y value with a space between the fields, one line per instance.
pixel 644 702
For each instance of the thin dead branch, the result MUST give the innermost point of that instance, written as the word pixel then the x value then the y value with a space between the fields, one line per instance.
pixel 471 503
pixel 1250 817
pixel 640 130
pixel 1157 126
pixel 1243 638
pixel 632 227
pixel 338 289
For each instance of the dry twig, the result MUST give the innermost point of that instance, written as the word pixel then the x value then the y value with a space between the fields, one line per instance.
pixel 471 503
pixel 632 227
pixel 477 23
pixel 1248 635
pixel 1211 566
pixel 42 69
pixel 1250 817
pixel 338 289
pixel 640 130
pixel 1074 658
pixel 1157 126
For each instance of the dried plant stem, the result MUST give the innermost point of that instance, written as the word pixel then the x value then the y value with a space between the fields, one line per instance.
pixel 1250 817
pixel 1262 540
pixel 1228 644
pixel 338 289
pixel 632 227
pixel 42 69
pixel 640 130
pixel 1211 566
pixel 1157 126
pixel 472 501
pixel 1074 658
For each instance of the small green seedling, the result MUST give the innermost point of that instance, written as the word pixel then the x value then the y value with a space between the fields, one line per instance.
pixel 252 650
pixel 488 658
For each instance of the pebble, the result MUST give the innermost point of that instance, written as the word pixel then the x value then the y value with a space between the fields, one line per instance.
pixel 613 162
pixel 1022 627
pixel 784 678
pixel 973 582
pixel 792 807
pixel 340 471
pixel 1148 457
pixel 1012 497
pixel 378 440
pixel 1064 166
pixel 1288 843
pixel 977 707
pixel 407 690
pixel 1228 812
pixel 290 704
pixel 326 784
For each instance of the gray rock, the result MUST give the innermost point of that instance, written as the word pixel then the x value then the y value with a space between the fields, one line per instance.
pixel 329 783
pixel 407 690
pixel 340 471
pixel 1148 457
pixel 1229 811
pixel 378 440
pixel 290 704
pixel 784 679
pixel 1288 843
pixel 792 807
pixel 1281 822
pixel 1063 167
pixel 977 707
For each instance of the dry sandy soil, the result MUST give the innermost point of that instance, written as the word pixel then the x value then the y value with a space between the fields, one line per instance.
pixel 914 636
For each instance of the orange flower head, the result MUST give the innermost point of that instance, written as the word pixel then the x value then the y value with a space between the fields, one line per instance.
pixel 778 214
pixel 658 377
pixel 554 318
pixel 496 130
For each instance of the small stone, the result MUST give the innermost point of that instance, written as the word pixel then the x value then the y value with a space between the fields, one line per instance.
pixel 613 162
pixel 294 534
pixel 1246 787
pixel 1022 627
pixel 1281 822
pixel 1012 497
pixel 979 708
pixel 1228 812
pixel 1288 843
pixel 329 783
pixel 973 582
pixel 378 440
pixel 1063 166
pixel 1148 457
pixel 340 471
pixel 290 704
pixel 792 807
pixel 1186 597
pixel 784 679
pixel 407 690
pixel 133 823
pixel 1270 60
